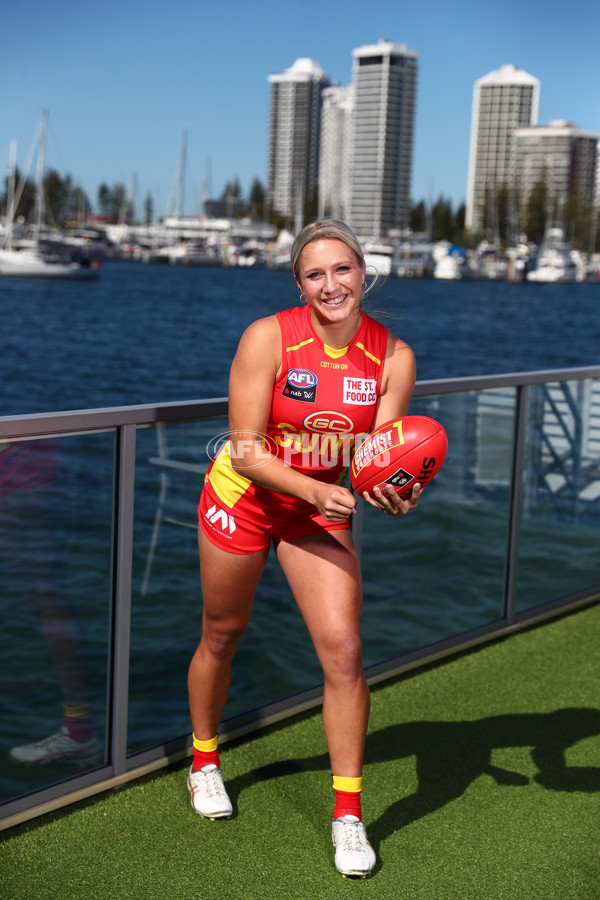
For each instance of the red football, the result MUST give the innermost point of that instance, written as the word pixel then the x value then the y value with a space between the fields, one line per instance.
pixel 400 452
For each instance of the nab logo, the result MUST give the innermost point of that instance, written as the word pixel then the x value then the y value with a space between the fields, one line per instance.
pixel 301 384
pixel 219 516
pixel 326 420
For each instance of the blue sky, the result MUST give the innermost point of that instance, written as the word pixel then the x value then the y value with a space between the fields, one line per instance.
pixel 123 80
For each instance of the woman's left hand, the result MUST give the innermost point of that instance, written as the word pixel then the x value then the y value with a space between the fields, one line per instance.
pixel 389 502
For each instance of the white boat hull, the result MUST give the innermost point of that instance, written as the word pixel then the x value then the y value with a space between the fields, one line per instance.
pixel 379 264
pixel 30 264
pixel 550 275
pixel 555 263
pixel 450 269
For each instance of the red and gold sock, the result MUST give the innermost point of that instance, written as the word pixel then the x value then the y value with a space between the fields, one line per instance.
pixel 79 722
pixel 205 753
pixel 347 796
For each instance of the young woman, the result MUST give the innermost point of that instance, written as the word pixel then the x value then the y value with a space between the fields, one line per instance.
pixel 303 384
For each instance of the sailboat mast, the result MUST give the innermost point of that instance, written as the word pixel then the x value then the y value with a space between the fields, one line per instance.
pixel 10 205
pixel 41 162
pixel 176 202
pixel 182 173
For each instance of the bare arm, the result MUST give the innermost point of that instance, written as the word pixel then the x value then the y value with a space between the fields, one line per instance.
pixel 252 378
pixel 398 382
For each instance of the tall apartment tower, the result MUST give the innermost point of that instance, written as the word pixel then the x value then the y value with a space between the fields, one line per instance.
pixel 597 188
pixel 294 135
pixel 334 157
pixel 503 100
pixel 562 156
pixel 385 88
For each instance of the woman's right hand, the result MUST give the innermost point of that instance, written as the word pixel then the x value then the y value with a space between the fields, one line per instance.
pixel 334 503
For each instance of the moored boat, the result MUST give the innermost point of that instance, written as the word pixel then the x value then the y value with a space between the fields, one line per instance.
pixel 32 263
pixel 452 266
pixel 555 264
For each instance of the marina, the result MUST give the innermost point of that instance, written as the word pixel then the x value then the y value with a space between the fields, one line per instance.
pixel 245 243
pixel 149 333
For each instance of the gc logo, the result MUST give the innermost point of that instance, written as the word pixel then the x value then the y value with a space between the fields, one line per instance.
pixel 326 420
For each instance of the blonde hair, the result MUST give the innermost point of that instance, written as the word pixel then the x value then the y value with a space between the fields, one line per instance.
pixel 334 229
pixel 324 228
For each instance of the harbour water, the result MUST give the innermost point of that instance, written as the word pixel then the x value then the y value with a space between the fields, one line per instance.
pixel 151 334
pixel 145 334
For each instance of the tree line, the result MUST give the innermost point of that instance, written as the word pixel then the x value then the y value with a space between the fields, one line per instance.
pixel 505 216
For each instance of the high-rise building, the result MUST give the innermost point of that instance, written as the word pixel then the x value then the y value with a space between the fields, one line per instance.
pixel 294 136
pixel 597 188
pixel 503 100
pixel 561 156
pixel 385 87
pixel 334 157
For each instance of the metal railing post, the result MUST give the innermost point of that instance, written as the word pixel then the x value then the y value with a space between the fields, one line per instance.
pixel 511 565
pixel 121 624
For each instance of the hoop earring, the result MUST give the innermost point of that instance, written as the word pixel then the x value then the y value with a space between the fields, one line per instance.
pixel 303 299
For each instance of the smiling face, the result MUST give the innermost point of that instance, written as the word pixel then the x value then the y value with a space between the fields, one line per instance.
pixel 331 276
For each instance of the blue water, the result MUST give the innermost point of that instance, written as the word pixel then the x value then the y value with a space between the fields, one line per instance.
pixel 150 334
pixel 144 334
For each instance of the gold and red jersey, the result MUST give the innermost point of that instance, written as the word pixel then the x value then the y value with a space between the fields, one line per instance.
pixel 324 400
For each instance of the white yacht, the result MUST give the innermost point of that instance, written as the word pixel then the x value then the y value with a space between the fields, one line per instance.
pixel 32 263
pixel 32 260
pixel 452 266
pixel 555 264
pixel 413 258
pixel 378 259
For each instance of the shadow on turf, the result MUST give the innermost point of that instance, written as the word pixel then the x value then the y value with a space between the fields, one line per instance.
pixel 452 755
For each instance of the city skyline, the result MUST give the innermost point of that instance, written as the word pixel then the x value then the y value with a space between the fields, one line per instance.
pixel 122 85
pixel 355 140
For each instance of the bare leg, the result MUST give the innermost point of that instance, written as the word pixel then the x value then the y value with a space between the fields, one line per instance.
pixel 229 582
pixel 324 575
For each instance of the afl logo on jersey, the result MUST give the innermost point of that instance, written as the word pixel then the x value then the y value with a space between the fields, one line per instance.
pixel 301 384
pixel 326 420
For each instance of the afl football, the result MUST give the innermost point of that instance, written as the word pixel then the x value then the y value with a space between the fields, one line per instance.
pixel 401 453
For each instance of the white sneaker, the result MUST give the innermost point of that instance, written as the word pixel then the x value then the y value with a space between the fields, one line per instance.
pixel 208 794
pixel 353 852
pixel 59 747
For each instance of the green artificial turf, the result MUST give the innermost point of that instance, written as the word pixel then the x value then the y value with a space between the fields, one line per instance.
pixel 482 780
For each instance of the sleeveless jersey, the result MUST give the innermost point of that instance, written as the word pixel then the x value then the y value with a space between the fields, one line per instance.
pixel 323 401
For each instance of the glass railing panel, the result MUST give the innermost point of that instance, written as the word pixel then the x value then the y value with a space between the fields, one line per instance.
pixel 439 571
pixel 166 602
pixel 56 527
pixel 276 657
pixel 560 519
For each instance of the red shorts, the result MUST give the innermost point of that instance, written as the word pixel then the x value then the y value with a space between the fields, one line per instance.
pixel 254 522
